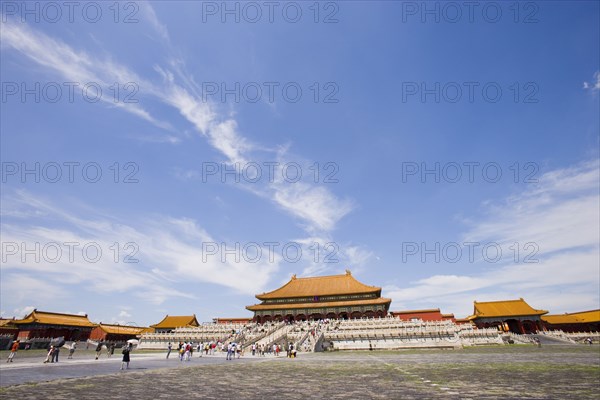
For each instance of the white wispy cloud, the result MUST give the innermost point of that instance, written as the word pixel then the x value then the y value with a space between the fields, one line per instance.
pixel 148 14
pixel 164 247
pixel 314 204
pixel 558 213
pixel 77 66
pixel 595 84
pixel 28 288
pixel 317 206
pixel 171 139
pixel 24 311
pixel 561 215
pixel 170 245
pixel 321 255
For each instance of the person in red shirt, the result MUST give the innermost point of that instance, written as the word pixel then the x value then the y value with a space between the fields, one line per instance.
pixel 13 351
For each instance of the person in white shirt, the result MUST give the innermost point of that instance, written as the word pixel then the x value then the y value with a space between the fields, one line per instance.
pixel 72 349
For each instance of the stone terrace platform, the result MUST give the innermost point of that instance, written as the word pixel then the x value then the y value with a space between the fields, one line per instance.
pixel 503 372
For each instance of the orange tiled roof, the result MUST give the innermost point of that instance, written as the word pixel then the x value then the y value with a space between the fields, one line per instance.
pixel 50 318
pixel 7 323
pixel 122 329
pixel 316 304
pixel 319 286
pixel 573 318
pixel 503 308
pixel 176 321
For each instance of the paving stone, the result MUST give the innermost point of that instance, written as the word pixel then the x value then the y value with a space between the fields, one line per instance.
pixel 516 372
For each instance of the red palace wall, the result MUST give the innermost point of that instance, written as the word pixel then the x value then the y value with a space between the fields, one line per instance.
pixel 67 333
pixel 425 316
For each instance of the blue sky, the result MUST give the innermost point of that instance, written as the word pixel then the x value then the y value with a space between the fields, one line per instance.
pixel 457 154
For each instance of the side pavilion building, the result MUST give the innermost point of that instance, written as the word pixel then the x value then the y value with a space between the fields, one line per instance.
pixel 584 321
pixel 314 298
pixel 115 332
pixel 43 324
pixel 171 322
pixel 509 315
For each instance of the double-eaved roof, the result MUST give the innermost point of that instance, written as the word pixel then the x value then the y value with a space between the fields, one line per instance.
pixel 331 285
pixel 50 318
pixel 348 303
pixel 504 308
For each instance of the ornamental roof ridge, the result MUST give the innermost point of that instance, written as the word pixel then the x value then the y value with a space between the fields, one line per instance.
pixel 36 311
pixel 576 312
pixel 499 301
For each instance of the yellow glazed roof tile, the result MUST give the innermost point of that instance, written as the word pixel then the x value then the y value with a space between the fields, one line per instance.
pixel 319 286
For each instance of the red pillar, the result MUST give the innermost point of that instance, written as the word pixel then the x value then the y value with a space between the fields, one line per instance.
pixel 540 326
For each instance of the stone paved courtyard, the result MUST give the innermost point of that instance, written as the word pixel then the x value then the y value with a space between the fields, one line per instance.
pixel 516 372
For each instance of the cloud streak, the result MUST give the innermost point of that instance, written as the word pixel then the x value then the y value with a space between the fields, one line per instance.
pixel 76 66
pixel 169 253
pixel 594 86
pixel 561 214
pixel 316 206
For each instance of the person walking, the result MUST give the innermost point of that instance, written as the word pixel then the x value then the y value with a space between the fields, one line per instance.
pixel 72 349
pixel 13 350
pixel 126 357
pixel 186 354
pixel 55 354
pixel 98 350
pixel 49 356
pixel 228 357
pixel 169 348
pixel 181 351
